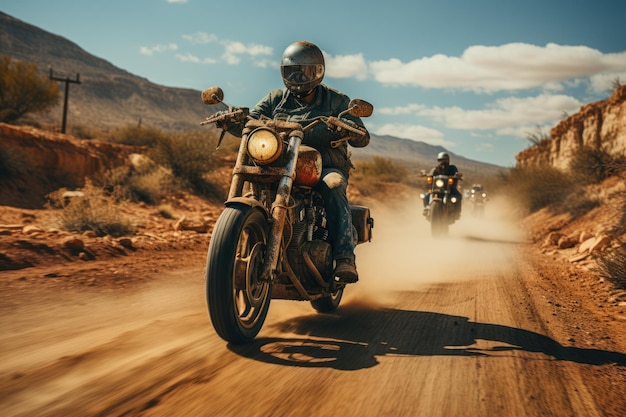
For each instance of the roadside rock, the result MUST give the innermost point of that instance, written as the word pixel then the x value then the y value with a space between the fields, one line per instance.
pixel 566 242
pixel 600 244
pixel 73 244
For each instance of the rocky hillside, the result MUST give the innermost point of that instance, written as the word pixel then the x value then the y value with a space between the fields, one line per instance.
pixel 107 96
pixel 599 125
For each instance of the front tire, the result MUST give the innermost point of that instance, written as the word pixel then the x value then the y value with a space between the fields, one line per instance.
pixel 237 299
pixel 438 220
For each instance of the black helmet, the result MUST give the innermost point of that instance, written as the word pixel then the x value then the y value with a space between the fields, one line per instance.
pixel 302 67
pixel 443 157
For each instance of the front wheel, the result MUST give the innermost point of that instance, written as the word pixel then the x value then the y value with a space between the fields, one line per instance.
pixel 438 219
pixel 238 300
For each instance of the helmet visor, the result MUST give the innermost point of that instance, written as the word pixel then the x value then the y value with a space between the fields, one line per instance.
pixel 301 77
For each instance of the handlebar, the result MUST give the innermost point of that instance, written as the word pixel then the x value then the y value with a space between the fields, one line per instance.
pixel 240 115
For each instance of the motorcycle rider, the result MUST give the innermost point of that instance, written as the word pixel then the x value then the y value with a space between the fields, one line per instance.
pixel 444 167
pixel 305 97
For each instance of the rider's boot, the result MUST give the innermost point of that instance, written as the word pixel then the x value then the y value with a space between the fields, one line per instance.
pixel 345 271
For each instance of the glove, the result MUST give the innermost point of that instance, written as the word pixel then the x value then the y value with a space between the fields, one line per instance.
pixel 345 132
pixel 220 123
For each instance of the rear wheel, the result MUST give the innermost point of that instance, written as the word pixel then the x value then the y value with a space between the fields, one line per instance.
pixel 438 220
pixel 238 300
pixel 328 304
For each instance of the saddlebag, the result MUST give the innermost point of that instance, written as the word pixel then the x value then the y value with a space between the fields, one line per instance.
pixel 362 222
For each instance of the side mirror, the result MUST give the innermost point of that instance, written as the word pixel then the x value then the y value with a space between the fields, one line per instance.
pixel 360 108
pixel 212 95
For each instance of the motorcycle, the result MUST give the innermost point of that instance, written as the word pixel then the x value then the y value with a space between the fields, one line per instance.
pixel 478 198
pixel 442 208
pixel 271 240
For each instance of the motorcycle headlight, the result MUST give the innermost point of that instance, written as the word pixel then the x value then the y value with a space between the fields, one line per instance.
pixel 439 183
pixel 264 147
pixel 453 199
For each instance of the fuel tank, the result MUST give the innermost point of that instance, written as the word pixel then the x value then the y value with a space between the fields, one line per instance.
pixel 309 167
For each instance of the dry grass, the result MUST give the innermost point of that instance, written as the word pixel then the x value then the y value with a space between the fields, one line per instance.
pixel 94 210
pixel 612 266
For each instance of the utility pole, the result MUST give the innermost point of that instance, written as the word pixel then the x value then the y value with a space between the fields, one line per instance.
pixel 67 92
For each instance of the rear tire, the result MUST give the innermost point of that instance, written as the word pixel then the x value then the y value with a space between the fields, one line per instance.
pixel 328 304
pixel 238 301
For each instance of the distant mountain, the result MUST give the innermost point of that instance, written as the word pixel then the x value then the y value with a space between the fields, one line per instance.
pixel 109 97
pixel 419 155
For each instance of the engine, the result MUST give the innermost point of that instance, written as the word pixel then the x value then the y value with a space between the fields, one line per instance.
pixel 309 250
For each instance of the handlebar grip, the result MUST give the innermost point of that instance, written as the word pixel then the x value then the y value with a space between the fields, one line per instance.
pixel 340 124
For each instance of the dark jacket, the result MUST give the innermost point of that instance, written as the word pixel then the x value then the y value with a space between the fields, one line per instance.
pixel 450 170
pixel 328 102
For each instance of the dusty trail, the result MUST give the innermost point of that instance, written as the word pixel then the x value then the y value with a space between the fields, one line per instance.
pixel 434 328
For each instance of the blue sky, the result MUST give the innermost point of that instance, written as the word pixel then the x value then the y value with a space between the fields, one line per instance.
pixel 477 77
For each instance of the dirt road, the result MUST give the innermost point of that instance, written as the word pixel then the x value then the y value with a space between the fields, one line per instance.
pixel 461 327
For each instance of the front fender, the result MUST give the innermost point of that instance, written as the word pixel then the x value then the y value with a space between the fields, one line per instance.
pixel 248 202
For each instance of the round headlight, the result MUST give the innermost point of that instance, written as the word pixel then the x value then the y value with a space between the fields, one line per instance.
pixel 264 147
pixel 439 183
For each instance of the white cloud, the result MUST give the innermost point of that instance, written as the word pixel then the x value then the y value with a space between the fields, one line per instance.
pixel 265 63
pixel 512 66
pixel 413 132
pixel 400 110
pixel 511 112
pixel 195 59
pixel 151 50
pixel 346 66
pixel 201 38
pixel 177 1
pixel 234 50
pixel 603 83
pixel 525 131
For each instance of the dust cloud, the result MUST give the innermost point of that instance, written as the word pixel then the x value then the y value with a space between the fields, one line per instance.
pixel 403 255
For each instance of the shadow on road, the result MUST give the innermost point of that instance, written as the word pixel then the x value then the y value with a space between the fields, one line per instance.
pixel 354 337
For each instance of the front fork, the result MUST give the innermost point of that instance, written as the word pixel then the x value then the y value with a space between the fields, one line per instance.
pixel 280 206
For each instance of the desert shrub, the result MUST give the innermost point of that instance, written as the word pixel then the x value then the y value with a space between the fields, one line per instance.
pixel 192 157
pixel 24 90
pixel 137 136
pixel 621 226
pixel 612 266
pixel 592 165
pixel 146 182
pixel 538 137
pixel 381 169
pixel 94 210
pixel 150 187
pixel 85 132
pixel 533 188
pixel 577 204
